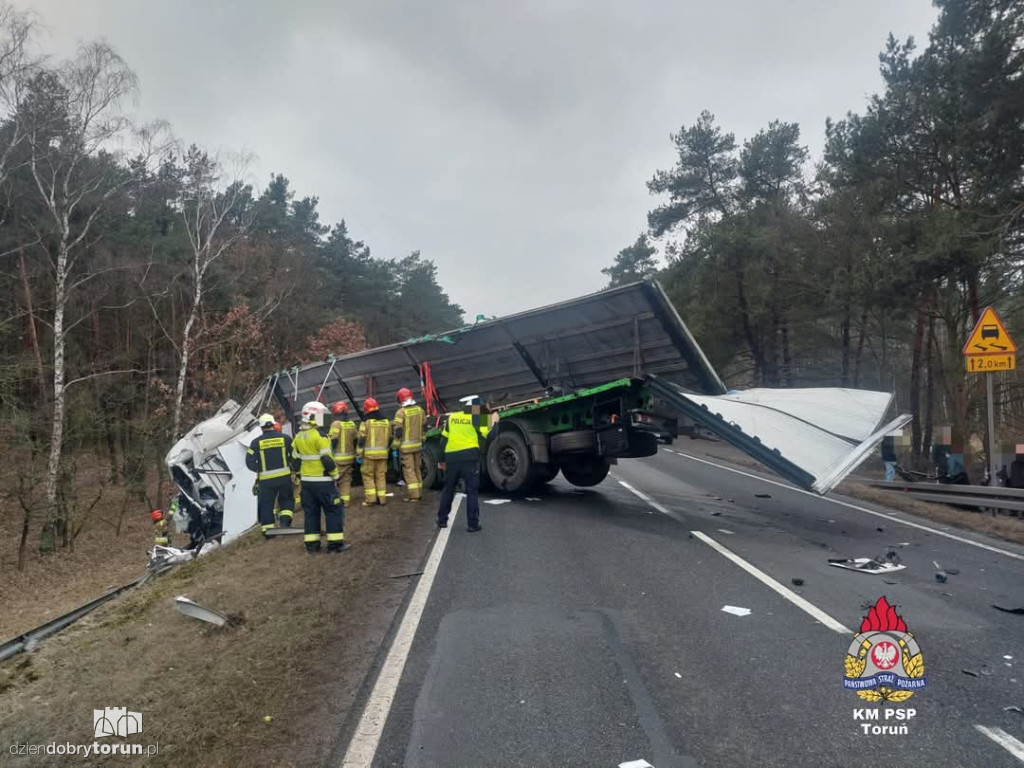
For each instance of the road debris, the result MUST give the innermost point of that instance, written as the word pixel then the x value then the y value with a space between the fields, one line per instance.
pixel 762 495
pixel 715 514
pixel 985 670
pixel 532 498
pixel 880 529
pixel 941 578
pixel 726 531
pixel 268 718
pixel 635 764
pixel 1014 708
pixel 678 675
pixel 887 563
pixel 1008 658
pixel 969 672
pixel 1018 611
pixel 406 575
pixel 797 582
pixel 890 582
pixel 736 610
pixel 194 610
pixel 498 501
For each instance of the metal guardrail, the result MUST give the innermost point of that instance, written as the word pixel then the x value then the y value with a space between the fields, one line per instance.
pixel 28 640
pixel 982 496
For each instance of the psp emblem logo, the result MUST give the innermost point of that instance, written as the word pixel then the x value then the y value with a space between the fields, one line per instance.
pixel 884 661
pixel 115 721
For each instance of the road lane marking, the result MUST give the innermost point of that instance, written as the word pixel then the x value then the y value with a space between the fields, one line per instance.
pixel 805 606
pixel 363 747
pixel 651 502
pixel 859 508
pixel 1004 740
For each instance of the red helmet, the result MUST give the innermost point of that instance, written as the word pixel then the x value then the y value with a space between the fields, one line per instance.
pixel 156 515
pixel 339 408
pixel 404 394
pixel 370 404
pixel 277 426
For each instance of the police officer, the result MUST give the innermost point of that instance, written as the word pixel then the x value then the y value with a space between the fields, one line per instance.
pixel 343 435
pixel 311 457
pixel 408 443
pixel 462 438
pixel 269 456
pixel 372 453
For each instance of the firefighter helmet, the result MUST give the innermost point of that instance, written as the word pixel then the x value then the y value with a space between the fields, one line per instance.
pixel 266 420
pixel 313 413
pixel 370 404
pixel 404 394
pixel 156 515
pixel 339 408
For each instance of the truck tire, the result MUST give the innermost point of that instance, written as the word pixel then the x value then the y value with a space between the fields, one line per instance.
pixel 546 473
pixel 585 471
pixel 508 462
pixel 575 441
pixel 428 465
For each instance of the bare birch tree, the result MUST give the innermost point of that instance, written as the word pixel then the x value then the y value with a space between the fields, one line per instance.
pixel 215 219
pixel 75 130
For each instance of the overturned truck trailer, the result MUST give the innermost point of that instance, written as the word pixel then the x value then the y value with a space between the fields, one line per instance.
pixel 571 388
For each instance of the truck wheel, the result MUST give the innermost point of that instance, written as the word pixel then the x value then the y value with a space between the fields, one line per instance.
pixel 546 473
pixel 508 462
pixel 585 471
pixel 428 465
pixel 575 441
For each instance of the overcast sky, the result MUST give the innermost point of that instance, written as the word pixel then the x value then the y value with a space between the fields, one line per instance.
pixel 510 142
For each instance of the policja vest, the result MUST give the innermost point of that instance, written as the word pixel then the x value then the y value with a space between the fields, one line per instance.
pixel 463 435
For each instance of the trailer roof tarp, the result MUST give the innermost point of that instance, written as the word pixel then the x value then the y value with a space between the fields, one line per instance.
pixel 627 331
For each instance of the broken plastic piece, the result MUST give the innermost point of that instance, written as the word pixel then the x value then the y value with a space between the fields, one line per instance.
pixel 736 610
pixel 969 672
pixel 497 501
pixel 887 563
pixel 797 582
pixel 196 611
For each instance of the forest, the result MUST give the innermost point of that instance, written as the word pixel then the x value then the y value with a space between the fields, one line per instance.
pixel 145 281
pixel 868 266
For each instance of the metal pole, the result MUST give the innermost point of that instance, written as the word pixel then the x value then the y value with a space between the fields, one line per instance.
pixel 993 460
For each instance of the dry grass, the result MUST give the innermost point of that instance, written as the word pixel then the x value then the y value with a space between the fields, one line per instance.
pixel 306 629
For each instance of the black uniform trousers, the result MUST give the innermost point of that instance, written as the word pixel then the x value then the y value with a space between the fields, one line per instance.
pixel 323 498
pixel 469 471
pixel 277 489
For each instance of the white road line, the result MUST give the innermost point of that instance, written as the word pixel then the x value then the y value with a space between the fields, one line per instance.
pixel 1004 740
pixel 364 743
pixel 764 578
pixel 859 508
pixel 651 502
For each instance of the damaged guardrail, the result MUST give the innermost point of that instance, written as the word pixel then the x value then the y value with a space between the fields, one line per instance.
pixel 981 496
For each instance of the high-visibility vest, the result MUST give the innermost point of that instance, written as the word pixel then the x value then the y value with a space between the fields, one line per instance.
pixel 410 420
pixel 464 432
pixel 268 455
pixel 374 437
pixel 309 446
pixel 343 435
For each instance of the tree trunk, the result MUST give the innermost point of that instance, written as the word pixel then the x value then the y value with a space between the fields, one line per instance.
pixel 861 337
pixel 186 336
pixel 915 380
pixel 844 341
pixel 54 523
pixel 787 373
pixel 33 338
pixel 929 383
pixel 748 331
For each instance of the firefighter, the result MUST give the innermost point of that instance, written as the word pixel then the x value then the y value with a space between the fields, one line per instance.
pixel 311 457
pixel 372 453
pixel 343 438
pixel 269 457
pixel 408 442
pixel 462 438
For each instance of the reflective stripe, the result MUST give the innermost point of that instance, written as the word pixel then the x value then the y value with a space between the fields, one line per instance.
pixel 335 536
pixel 311 537
pixel 416 444
pixel 285 513
pixel 309 456
pixel 410 486
pixel 346 499
pixel 344 456
pixel 271 474
pixel 266 526
pixel 321 479
pixel 324 452
pixel 160 540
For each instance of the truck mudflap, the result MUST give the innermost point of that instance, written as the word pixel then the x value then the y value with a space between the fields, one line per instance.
pixel 813 438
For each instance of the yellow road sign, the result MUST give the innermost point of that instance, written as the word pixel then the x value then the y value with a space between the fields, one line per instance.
pixel 990 363
pixel 989 337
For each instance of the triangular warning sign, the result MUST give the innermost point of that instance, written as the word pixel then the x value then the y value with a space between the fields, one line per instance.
pixel 989 336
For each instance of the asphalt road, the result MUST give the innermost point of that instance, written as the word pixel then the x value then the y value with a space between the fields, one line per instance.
pixel 586 628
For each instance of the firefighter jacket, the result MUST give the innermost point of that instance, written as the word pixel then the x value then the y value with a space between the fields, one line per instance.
pixel 343 435
pixel 311 451
pixel 374 437
pixel 409 429
pixel 269 455
pixel 463 435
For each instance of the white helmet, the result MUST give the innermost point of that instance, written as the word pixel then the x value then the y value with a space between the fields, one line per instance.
pixel 470 400
pixel 266 420
pixel 313 413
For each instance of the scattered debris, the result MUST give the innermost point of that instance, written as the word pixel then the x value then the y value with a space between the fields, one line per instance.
pixel 679 676
pixel 1014 708
pixel 969 672
pixel 887 563
pixel 880 529
pixel 941 578
pixel 406 575
pixel 271 533
pixel 715 514
pixel 735 610
pixel 903 544
pixel 947 594
pixel 635 764
pixel 498 501
pixel 953 571
pixel 726 531
pixel 1008 658
pixel 985 670
pixel 268 718
pixel 797 582
pixel 1018 611
pixel 762 495
pixel 196 611
pixel 532 498
pixel 890 582
pixel 731 501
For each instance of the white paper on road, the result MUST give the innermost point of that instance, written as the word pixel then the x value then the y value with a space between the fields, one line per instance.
pixel 498 501
pixel 736 610
pixel 636 764
pixel 867 565
pixel 827 432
